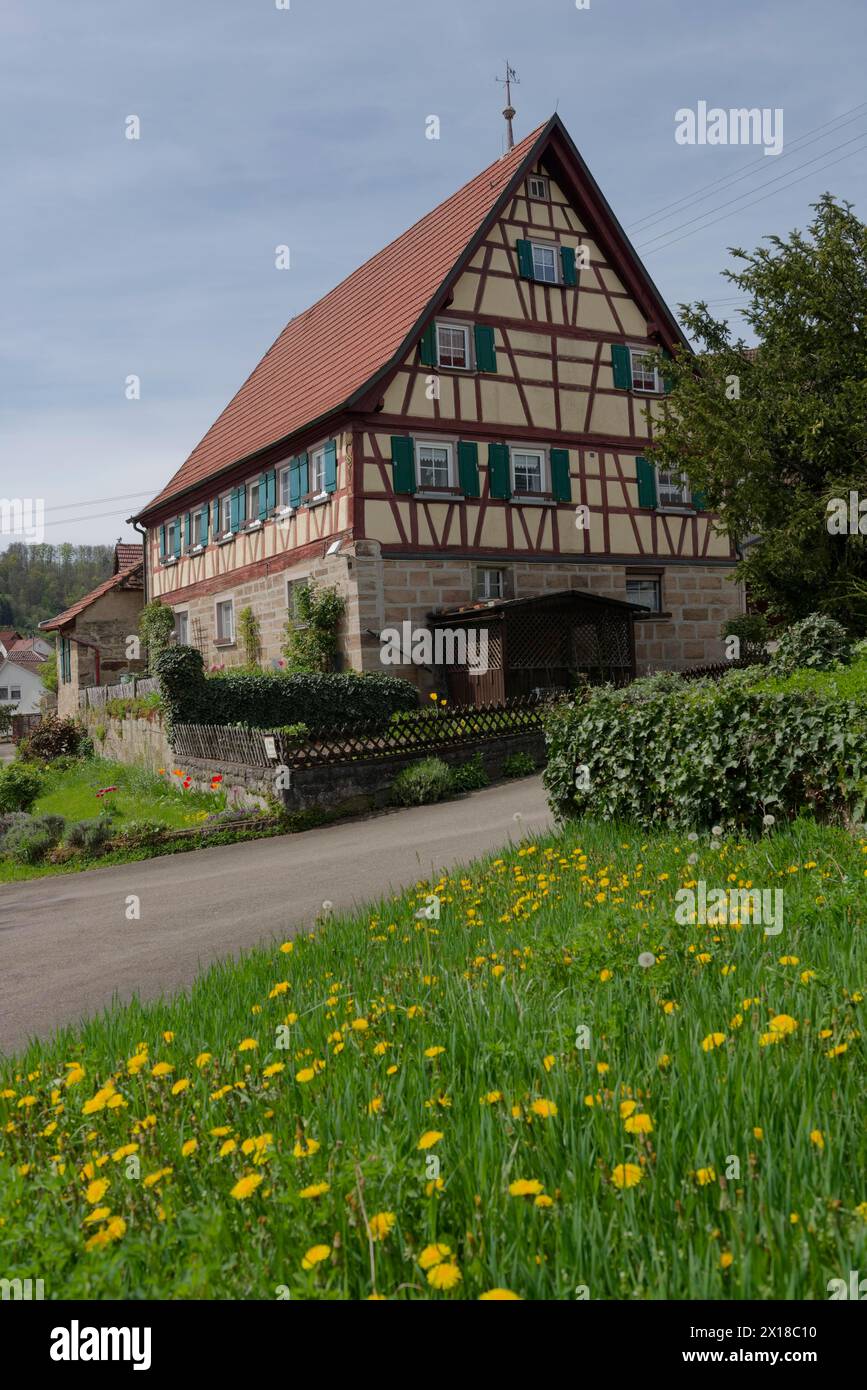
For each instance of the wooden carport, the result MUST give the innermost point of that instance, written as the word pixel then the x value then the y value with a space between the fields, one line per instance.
pixel 539 643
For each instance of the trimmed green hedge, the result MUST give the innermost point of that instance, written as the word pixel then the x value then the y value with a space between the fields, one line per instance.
pixel 702 753
pixel 270 699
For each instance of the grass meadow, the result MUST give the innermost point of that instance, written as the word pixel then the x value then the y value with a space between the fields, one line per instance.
pixel 504 1102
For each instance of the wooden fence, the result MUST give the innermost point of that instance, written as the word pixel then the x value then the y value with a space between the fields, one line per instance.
pixel 96 696
pixel 423 732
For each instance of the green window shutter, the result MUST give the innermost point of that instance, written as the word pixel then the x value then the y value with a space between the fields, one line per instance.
pixel 188 530
pixel 699 500
pixel 428 346
pixel 204 518
pixel 177 545
pixel 271 489
pixel 294 482
pixel 162 542
pixel 486 352
pixel 215 525
pixel 403 463
pixel 621 362
pixel 567 259
pixel 262 495
pixel 525 260
pixel 331 466
pixel 561 483
pixel 234 509
pixel 646 474
pixel 499 482
pixel 303 474
pixel 468 468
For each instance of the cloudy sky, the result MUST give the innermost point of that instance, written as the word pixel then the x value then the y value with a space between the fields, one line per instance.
pixel 305 126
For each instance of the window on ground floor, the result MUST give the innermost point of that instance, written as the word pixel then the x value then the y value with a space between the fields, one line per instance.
pixel 226 620
pixel 182 627
pixel 645 589
pixel 492 582
pixel 15 692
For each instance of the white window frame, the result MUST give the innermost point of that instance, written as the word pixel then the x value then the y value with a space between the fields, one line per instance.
pixel 429 442
pixel 226 514
pixel 316 473
pixel 544 470
pixel 539 179
pixel 182 616
pixel 13 695
pixel 679 498
pixel 290 585
pixel 284 505
pixel 655 579
pixel 222 637
pixel 554 248
pixel 483 588
pixel 658 387
pixel 251 490
pixel 170 540
pixel 455 325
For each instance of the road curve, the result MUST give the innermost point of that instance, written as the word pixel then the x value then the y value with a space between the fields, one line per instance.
pixel 67 949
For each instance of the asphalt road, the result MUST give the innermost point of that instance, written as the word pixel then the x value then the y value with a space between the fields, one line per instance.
pixel 67 949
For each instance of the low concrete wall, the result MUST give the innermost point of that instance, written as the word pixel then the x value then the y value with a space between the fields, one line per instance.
pixel 354 786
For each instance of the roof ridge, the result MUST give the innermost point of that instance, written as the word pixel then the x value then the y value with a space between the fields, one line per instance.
pixel 403 315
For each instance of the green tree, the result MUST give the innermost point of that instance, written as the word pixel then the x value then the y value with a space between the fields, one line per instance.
pixel 772 436
pixel 156 626
pixel 250 635
pixel 311 633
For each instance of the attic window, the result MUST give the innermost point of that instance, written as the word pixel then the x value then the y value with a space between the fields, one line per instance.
pixel 537 187
pixel 453 345
pixel 545 263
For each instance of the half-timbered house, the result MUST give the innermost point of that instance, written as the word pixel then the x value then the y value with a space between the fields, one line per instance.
pixel 463 420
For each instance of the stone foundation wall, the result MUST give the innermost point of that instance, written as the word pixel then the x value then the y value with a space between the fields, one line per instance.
pixel 140 742
pixel 354 786
pixel 384 592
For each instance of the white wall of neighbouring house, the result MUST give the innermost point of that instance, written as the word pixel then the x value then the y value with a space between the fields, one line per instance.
pixel 15 678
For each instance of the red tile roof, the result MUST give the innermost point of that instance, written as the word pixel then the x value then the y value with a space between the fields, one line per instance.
pixel 30 659
pixel 121 580
pixel 331 350
pixel 127 553
pixel 8 635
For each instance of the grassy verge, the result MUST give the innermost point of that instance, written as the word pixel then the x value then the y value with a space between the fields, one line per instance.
pixel 139 795
pixel 503 1098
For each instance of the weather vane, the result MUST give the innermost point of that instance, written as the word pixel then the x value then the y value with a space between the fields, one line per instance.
pixel 509 110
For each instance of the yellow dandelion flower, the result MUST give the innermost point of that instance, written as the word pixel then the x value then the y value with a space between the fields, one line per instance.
pixel 444 1276
pixel 525 1187
pixel 626 1175
pixel 246 1186
pixel 380 1226
pixel 499 1296
pixel 189 1147
pixel 433 1255
pixel 315 1255
pixel 711 1041
pixel 429 1139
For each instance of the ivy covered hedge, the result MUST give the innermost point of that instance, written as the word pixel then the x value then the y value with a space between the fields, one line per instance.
pixel 692 754
pixel 272 699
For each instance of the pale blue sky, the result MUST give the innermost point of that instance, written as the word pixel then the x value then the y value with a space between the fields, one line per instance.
pixel 305 126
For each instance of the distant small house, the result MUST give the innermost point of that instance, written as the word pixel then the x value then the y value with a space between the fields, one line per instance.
pixel 93 634
pixel 21 687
